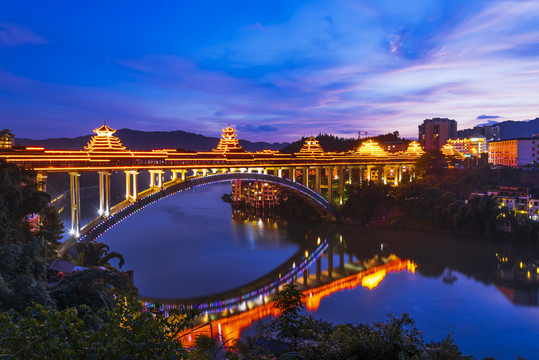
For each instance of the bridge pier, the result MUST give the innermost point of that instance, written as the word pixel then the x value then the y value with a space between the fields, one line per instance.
pixel 175 174
pixel 318 268
pixel 294 174
pixel 104 193
pixel 305 172
pixel 329 171
pixel 156 175
pixel 131 188
pixel 341 184
pixel 318 179
pixel 74 188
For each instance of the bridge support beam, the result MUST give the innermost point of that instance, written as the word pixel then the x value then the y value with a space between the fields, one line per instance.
pixel 306 276
pixel 350 170
pixel 341 184
pixel 156 178
pixel 175 174
pixel 104 193
pixel 131 188
pixel 329 171
pixel 318 268
pixel 318 175
pixel 74 188
pixel 293 174
pixel 305 173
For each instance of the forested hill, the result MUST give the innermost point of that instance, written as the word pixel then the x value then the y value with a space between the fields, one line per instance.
pixel 147 140
pixel 335 143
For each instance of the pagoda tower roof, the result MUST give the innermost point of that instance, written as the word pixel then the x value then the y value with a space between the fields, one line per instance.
pixel 228 142
pixel 371 148
pixel 104 140
pixel 311 147
pixel 414 149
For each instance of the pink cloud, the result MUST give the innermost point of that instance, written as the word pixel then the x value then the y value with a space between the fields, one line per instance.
pixel 16 35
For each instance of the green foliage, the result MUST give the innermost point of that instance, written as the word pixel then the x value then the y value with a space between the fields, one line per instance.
pixel 80 333
pixel 94 287
pixel 24 248
pixel 366 202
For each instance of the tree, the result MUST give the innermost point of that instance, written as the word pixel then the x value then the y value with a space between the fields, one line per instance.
pixel 94 287
pixel 125 332
pixel 23 248
pixel 97 254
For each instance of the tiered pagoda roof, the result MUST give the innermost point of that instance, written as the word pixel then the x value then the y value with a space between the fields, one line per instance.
pixel 414 149
pixel 371 148
pixel 229 142
pixel 104 141
pixel 311 147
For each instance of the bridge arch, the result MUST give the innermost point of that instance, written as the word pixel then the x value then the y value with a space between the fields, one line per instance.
pixel 315 200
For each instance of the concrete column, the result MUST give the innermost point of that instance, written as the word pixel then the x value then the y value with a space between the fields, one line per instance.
pixel 134 195
pixel 369 169
pixel 318 268
pixel 330 184
pixel 41 180
pixel 361 171
pixel 381 177
pixel 294 174
pixel 127 185
pixel 396 174
pixel 104 193
pixel 183 174
pixel 306 176
pixel 318 179
pixel 349 175
pixel 131 189
pixel 152 178
pixel 341 184
pixel 305 276
pixel 384 171
pixel 74 187
pixel 280 172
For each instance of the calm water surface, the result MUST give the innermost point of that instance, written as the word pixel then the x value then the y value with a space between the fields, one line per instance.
pixel 188 245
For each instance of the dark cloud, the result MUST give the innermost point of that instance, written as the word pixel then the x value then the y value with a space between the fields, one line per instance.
pixel 484 117
pixel 255 129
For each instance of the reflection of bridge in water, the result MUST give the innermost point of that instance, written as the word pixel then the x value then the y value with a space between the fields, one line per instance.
pixel 312 170
pixel 320 268
pixel 230 324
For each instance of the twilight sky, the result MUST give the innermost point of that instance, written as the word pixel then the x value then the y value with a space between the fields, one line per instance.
pixel 275 70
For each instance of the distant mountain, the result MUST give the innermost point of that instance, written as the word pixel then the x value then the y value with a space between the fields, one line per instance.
pixel 148 140
pixel 514 129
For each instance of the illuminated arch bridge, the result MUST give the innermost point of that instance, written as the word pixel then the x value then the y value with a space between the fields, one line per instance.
pixel 321 173
pixel 101 224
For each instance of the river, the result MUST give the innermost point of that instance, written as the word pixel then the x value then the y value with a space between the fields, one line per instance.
pixel 485 294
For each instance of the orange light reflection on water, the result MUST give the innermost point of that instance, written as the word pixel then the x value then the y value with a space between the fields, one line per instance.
pixel 231 327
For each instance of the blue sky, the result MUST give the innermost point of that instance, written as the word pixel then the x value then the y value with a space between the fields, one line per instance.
pixel 275 70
